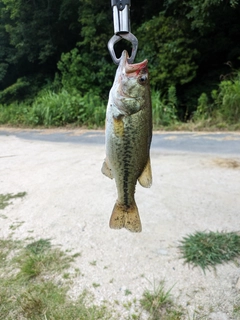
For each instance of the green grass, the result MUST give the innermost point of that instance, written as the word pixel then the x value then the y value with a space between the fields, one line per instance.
pixel 33 285
pixel 93 263
pixel 159 304
pixel 236 309
pixel 35 278
pixel 60 108
pixel 127 292
pixel 5 198
pixel 207 249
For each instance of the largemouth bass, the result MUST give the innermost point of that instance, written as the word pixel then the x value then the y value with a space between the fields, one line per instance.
pixel 128 139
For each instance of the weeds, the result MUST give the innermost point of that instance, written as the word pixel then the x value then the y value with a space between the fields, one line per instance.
pixel 38 258
pixel 93 263
pixel 222 108
pixel 39 246
pixel 16 225
pixel 63 107
pixel 56 109
pixel 35 280
pixel 207 249
pixel 5 198
pixel 159 304
pixel 164 108
pixel 127 292
pixel 236 309
pixel 31 287
pixel 95 285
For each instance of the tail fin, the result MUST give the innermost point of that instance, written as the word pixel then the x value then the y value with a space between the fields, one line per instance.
pixel 125 217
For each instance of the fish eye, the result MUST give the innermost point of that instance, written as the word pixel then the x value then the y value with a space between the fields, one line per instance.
pixel 142 79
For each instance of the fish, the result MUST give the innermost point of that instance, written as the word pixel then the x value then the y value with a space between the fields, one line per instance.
pixel 128 135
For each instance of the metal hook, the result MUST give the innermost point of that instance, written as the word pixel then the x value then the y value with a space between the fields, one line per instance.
pixel 116 38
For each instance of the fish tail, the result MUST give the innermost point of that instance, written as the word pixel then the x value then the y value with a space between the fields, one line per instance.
pixel 125 217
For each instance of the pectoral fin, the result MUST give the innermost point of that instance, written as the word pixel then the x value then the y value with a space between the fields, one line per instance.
pixel 145 178
pixel 106 170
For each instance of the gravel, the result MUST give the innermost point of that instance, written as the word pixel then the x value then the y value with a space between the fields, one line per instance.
pixel 69 201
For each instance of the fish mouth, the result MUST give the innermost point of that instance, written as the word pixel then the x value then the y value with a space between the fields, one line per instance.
pixel 127 71
pixel 131 69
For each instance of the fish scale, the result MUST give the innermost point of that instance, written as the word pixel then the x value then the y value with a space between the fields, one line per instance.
pixel 128 139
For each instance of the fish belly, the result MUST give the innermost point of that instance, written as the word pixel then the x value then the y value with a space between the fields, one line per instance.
pixel 127 154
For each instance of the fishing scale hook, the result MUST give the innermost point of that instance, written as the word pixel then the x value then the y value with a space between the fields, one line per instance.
pixel 121 23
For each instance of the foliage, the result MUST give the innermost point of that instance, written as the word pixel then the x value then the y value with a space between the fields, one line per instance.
pixel 14 114
pixel 76 72
pixel 224 105
pixel 15 91
pixel 207 249
pixel 165 42
pixel 88 67
pixel 5 198
pixel 228 100
pixel 36 28
pixel 164 108
pixel 57 109
pixel 189 45
pixel 202 111
pixel 33 287
pixel 200 14
pixel 67 107
pixel 159 305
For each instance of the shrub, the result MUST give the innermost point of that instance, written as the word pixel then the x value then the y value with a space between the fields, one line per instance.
pixel 164 108
pixel 15 92
pixel 228 99
pixel 14 113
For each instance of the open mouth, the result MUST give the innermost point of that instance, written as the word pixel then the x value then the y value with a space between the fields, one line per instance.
pixel 132 69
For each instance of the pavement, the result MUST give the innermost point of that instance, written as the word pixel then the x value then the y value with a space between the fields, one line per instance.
pixel 200 142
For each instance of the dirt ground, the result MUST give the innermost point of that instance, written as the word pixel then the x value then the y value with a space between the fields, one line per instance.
pixel 69 201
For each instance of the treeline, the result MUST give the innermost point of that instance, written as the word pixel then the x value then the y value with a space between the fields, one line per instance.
pixel 55 67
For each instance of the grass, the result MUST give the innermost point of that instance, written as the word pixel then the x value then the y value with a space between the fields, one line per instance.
pixel 93 263
pixel 33 285
pixel 5 198
pixel 207 249
pixel 127 292
pixel 35 278
pixel 159 304
pixel 236 310
pixel 15 225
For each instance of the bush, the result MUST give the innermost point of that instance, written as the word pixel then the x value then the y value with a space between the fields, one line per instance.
pixel 164 108
pixel 228 100
pixel 15 92
pixel 56 109
pixel 223 108
pixel 85 72
pixel 14 113
pixel 203 110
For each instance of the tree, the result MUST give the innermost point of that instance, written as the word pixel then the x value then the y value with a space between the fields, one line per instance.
pixel 34 34
pixel 39 28
pixel 89 67
pixel 165 42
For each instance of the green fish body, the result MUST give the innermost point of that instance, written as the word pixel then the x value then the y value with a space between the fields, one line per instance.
pixel 128 139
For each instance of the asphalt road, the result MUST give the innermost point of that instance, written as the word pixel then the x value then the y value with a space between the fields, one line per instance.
pixel 210 143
